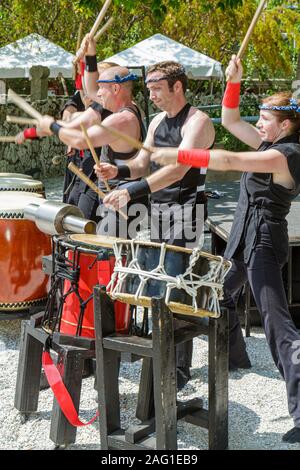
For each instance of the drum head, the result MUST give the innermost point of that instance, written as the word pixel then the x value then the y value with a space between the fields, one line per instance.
pixel 21 184
pixel 12 203
pixel 15 175
pixel 98 241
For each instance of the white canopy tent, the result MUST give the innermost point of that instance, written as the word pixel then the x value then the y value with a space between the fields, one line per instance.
pixel 17 58
pixel 158 48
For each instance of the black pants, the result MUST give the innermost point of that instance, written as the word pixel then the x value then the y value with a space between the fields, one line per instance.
pixel 263 271
pixel 70 178
pixel 112 224
pixel 85 199
pixel 194 221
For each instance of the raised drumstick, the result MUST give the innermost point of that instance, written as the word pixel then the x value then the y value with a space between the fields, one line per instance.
pixel 104 28
pixel 91 184
pixel 94 28
pixel 130 140
pixel 251 28
pixel 93 152
pixel 100 18
pixel 15 98
pixel 250 31
pixel 22 120
pixel 79 36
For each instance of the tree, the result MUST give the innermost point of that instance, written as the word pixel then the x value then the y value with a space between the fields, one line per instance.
pixel 214 27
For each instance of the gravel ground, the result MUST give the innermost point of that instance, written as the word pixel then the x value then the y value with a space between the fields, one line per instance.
pixel 258 414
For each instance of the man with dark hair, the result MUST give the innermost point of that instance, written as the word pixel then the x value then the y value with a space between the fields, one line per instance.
pixel 172 71
pixel 175 191
pixel 115 94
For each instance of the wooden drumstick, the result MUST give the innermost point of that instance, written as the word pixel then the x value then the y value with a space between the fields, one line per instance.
pixel 103 29
pixel 8 138
pixel 94 28
pixel 22 120
pixel 91 184
pixel 93 152
pixel 130 140
pixel 15 98
pixel 77 49
pixel 250 31
pixel 79 36
pixel 100 18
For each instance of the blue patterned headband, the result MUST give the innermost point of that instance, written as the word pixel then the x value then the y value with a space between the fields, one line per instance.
pixel 293 106
pixel 118 79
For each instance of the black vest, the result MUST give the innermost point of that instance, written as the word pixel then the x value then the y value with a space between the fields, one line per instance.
pixel 168 134
pixel 87 162
pixel 262 200
pixel 108 155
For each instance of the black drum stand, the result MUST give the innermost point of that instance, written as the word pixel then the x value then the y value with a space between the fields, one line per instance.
pixel 157 409
pixel 72 353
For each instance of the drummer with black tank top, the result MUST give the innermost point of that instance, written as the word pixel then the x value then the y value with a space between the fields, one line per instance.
pixel 79 194
pixel 172 187
pixel 115 93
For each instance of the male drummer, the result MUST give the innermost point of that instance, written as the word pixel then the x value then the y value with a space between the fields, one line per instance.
pixel 115 93
pixel 176 193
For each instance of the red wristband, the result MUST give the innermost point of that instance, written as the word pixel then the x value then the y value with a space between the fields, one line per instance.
pixel 197 158
pixel 231 98
pixel 30 133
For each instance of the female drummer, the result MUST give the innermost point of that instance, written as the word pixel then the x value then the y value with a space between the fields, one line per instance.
pixel 258 243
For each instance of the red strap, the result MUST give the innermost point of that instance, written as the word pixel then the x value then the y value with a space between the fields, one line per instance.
pixel 78 82
pixel 61 393
pixel 30 133
pixel 197 158
pixel 79 75
pixel 231 98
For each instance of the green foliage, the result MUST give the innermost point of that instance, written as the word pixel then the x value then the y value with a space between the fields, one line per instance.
pixel 215 27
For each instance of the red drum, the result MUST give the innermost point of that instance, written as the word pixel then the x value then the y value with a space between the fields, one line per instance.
pixel 22 245
pixel 91 256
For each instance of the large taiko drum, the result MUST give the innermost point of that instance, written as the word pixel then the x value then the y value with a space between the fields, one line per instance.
pixel 25 184
pixel 22 245
pixel 15 175
pixel 84 261
pixel 190 281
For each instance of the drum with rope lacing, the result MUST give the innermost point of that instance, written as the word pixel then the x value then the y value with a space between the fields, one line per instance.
pixel 191 281
pixel 80 262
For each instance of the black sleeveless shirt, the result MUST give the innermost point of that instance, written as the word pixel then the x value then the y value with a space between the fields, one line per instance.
pixel 87 162
pixel 168 134
pixel 108 155
pixel 263 200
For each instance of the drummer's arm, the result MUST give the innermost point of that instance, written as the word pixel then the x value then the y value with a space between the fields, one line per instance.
pixel 133 169
pixel 86 118
pixel 139 166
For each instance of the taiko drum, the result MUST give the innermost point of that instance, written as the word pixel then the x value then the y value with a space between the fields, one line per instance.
pixel 96 262
pixel 22 245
